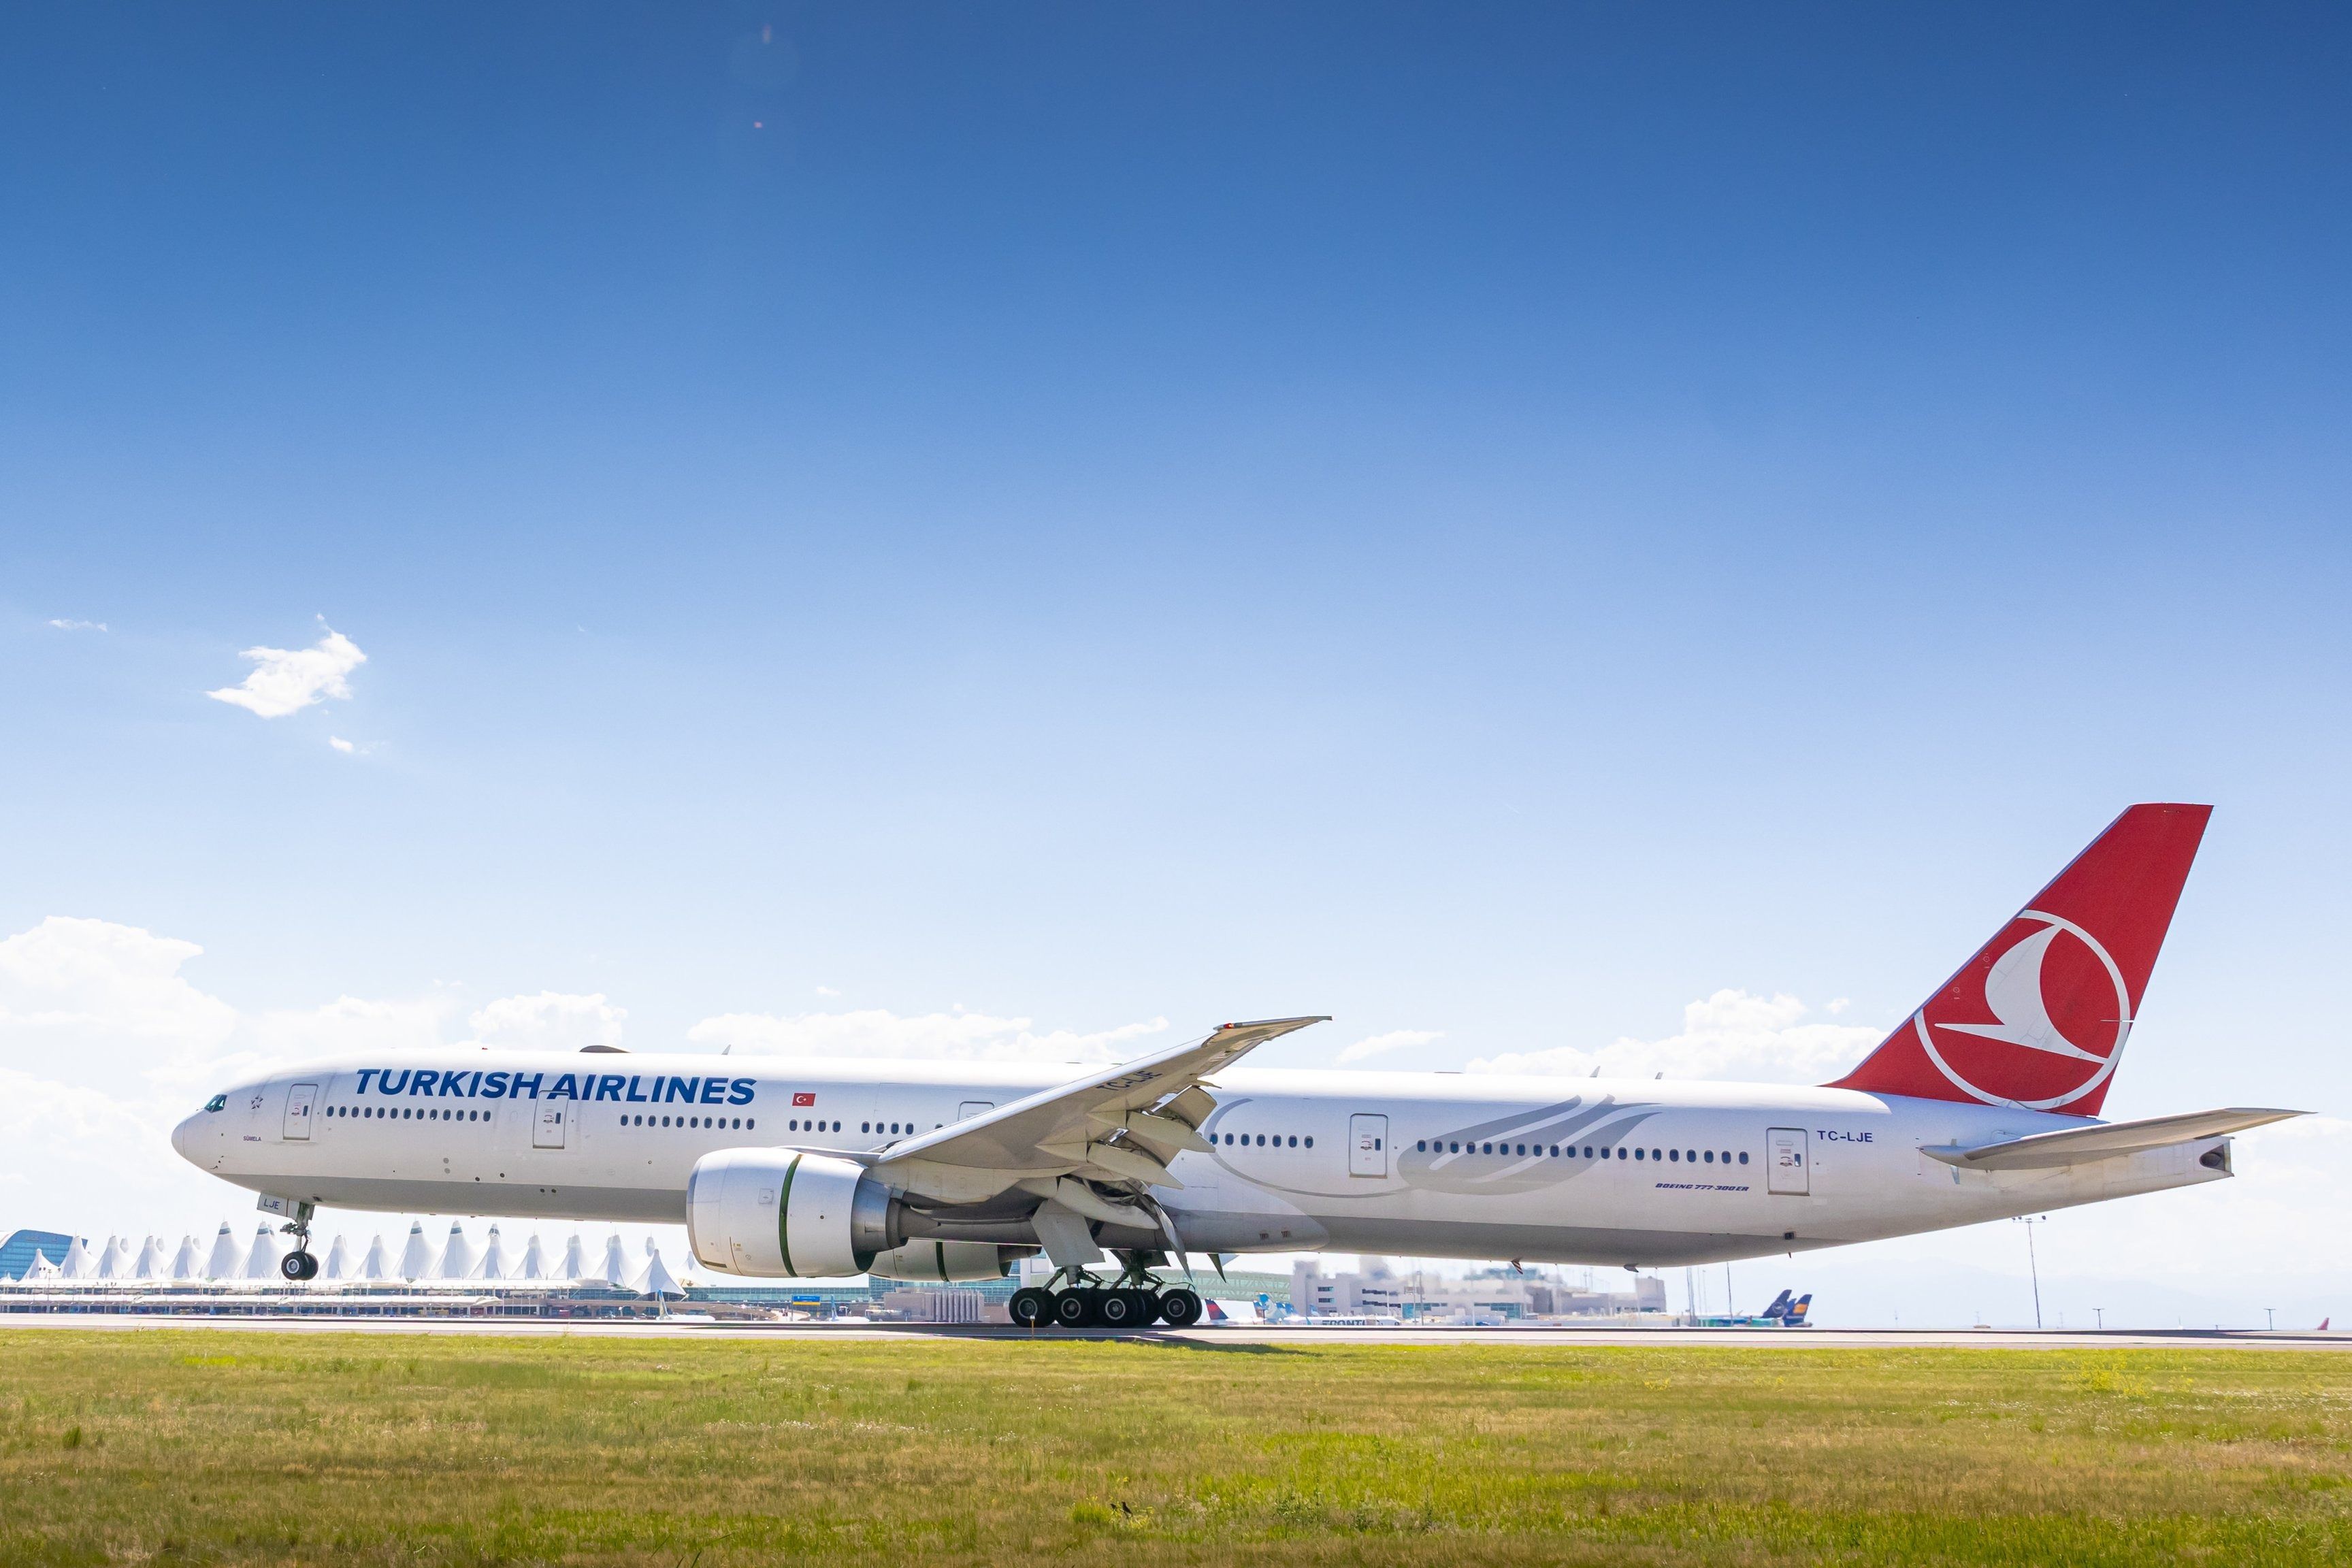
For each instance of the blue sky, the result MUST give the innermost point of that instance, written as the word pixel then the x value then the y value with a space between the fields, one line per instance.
pixel 1499 524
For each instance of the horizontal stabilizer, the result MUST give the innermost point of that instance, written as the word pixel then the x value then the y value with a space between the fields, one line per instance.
pixel 2079 1145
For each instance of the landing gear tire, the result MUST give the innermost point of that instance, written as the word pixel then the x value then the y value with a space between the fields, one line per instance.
pixel 299 1267
pixel 1030 1307
pixel 1075 1309
pixel 1179 1308
pixel 1124 1309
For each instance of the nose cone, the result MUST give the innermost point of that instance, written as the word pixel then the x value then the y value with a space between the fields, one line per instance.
pixel 183 1136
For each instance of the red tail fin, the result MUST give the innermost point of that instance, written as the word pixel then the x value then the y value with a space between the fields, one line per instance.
pixel 2038 1018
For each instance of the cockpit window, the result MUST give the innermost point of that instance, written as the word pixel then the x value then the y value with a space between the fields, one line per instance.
pixel 217 1102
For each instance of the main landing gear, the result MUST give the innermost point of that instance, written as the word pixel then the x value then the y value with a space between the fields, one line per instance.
pixel 1136 1301
pixel 299 1265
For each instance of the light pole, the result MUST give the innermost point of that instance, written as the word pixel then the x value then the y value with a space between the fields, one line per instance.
pixel 2102 1312
pixel 2271 1313
pixel 2034 1267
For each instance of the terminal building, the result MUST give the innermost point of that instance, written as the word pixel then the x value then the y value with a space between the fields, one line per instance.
pixel 1378 1291
pixel 54 1272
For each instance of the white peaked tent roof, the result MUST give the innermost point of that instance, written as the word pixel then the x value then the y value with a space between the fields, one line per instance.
pixel 457 1259
pixel 616 1270
pixel 77 1264
pixel 375 1265
pixel 222 1264
pixel 338 1261
pixel 261 1263
pixel 575 1261
pixel 183 1262
pixel 114 1262
pixel 534 1261
pixel 656 1279
pixel 150 1258
pixel 417 1258
pixel 495 1264
pixel 41 1268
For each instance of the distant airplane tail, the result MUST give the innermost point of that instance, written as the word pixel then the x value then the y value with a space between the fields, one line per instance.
pixel 2038 1018
pixel 1778 1308
pixel 1795 1318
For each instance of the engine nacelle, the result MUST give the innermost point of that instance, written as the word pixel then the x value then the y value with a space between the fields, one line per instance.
pixel 941 1262
pixel 782 1214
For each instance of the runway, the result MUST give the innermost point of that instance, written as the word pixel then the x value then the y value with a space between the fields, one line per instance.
pixel 1231 1337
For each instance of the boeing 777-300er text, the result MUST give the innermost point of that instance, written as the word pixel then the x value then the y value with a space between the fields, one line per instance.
pixel 1981 1104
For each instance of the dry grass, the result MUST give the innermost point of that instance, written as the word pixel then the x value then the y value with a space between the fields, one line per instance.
pixel 328 1448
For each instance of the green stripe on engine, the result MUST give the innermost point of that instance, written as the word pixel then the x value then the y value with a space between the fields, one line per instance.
pixel 783 1217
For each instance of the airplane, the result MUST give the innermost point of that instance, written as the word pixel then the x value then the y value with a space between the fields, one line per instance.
pixel 1982 1104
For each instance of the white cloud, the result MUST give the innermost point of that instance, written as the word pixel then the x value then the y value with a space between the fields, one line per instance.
pixel 287 681
pixel 827 991
pixel 69 979
pixel 550 1021
pixel 340 744
pixel 1394 1040
pixel 105 1044
pixel 80 626
pixel 956 1036
pixel 1728 1035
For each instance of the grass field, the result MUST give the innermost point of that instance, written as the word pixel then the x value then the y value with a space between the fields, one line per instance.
pixel 170 1446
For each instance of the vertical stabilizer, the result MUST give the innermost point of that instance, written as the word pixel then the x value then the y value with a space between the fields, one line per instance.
pixel 2039 1017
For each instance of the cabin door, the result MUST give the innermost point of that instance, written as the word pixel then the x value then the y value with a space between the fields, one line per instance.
pixel 1784 1162
pixel 547 1131
pixel 298 1102
pixel 1368 1145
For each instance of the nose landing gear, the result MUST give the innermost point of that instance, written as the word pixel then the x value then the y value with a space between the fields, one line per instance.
pixel 299 1265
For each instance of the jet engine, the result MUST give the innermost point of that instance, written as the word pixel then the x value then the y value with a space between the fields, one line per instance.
pixel 782 1214
pixel 940 1262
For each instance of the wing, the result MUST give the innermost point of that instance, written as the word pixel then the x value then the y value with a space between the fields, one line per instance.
pixel 2106 1141
pixel 1122 1125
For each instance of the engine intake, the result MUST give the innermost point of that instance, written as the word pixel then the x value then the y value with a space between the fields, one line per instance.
pixel 782 1214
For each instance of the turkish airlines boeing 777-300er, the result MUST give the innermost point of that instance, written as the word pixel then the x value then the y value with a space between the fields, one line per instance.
pixel 1981 1104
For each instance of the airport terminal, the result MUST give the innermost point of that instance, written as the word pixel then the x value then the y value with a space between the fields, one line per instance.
pixel 54 1272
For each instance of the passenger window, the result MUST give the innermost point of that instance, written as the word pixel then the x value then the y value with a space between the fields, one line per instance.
pixel 1310 1141
pixel 1743 1156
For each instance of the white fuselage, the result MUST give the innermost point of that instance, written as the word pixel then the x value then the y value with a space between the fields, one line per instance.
pixel 1593 1171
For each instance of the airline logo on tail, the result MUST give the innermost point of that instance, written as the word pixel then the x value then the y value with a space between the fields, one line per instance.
pixel 2038 1018
pixel 2039 965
